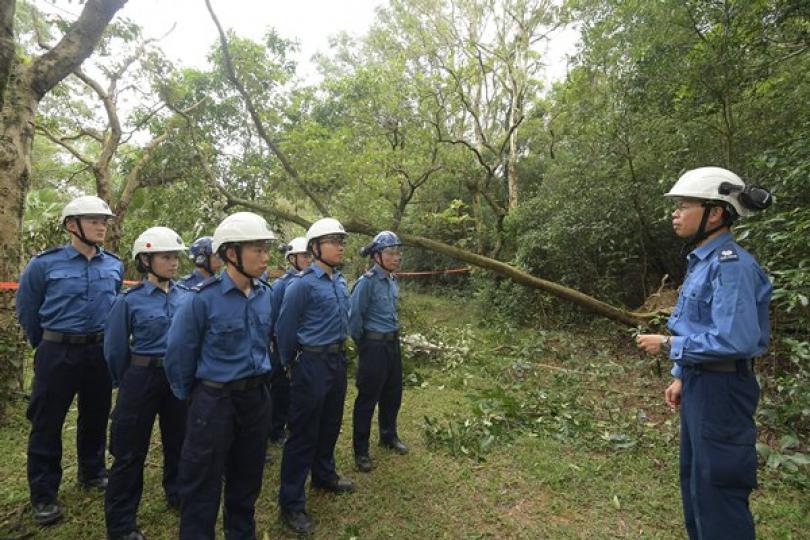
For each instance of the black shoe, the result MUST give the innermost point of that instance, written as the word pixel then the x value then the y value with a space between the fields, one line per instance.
pixel 338 485
pixel 394 444
pixel 47 514
pixel 133 535
pixel 364 463
pixel 94 483
pixel 299 522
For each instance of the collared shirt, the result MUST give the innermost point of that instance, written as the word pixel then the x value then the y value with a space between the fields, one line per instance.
pixel 278 288
pixel 193 279
pixel 62 291
pixel 314 312
pixel 218 334
pixel 374 304
pixel 722 310
pixel 139 321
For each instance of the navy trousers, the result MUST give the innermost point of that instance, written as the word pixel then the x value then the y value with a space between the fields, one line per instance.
pixel 718 455
pixel 143 394
pixel 61 371
pixel 379 380
pixel 317 393
pixel 281 400
pixel 226 440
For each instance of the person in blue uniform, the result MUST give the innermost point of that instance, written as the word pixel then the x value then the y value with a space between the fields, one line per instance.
pixel 718 327
pixel 134 347
pixel 206 262
pixel 64 296
pixel 374 327
pixel 311 329
pixel 298 258
pixel 217 355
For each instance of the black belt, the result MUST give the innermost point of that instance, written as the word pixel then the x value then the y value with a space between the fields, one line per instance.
pixel 241 384
pixel 73 339
pixel 725 366
pixel 145 361
pixel 331 348
pixel 378 336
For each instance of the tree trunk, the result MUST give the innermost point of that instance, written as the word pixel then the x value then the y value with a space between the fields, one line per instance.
pixel 22 94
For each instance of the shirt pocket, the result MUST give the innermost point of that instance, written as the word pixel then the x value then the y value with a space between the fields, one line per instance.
pixel 107 283
pixel 153 327
pixel 228 340
pixel 698 303
pixel 66 283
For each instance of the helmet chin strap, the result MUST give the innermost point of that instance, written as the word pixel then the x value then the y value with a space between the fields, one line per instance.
pixel 317 255
pixel 702 234
pixel 82 238
pixel 238 263
pixel 207 265
pixel 150 270
pixel 293 262
pixel 378 259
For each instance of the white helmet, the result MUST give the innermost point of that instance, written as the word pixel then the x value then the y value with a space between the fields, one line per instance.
pixel 241 227
pixel 87 205
pixel 157 240
pixel 705 183
pixel 296 246
pixel 325 227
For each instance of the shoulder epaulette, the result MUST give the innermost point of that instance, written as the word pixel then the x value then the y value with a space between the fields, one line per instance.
pixel 728 253
pixel 206 283
pixel 285 275
pixel 110 253
pixel 133 288
pixel 369 273
pixel 181 285
pixel 47 251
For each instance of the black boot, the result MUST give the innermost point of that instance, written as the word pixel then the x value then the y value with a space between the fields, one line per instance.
pixel 298 522
pixel 394 444
pixel 363 463
pixel 47 514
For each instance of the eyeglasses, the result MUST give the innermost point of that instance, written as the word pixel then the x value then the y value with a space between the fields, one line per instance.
pixel 334 240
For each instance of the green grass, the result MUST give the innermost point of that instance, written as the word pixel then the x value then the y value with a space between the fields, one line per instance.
pixel 556 478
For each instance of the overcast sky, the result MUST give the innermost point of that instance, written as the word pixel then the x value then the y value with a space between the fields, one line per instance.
pixel 310 22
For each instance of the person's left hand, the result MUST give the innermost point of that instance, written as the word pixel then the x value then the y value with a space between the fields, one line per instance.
pixel 650 343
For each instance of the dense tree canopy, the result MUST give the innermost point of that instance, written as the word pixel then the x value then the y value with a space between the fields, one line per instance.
pixel 437 124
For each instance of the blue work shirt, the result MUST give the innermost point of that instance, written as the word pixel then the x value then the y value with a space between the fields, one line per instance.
pixel 62 291
pixel 193 279
pixel 278 289
pixel 374 304
pixel 218 334
pixel 722 311
pixel 314 312
pixel 139 321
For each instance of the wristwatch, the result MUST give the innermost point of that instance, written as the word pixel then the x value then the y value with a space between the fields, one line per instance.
pixel 666 343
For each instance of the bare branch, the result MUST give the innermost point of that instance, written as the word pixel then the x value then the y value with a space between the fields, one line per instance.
pixel 257 121
pixel 76 45
pixel 61 141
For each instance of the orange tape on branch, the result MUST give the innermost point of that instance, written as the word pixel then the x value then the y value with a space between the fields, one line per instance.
pixel 434 272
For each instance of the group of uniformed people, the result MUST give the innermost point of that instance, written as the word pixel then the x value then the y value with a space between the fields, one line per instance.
pixel 230 363
pixel 226 362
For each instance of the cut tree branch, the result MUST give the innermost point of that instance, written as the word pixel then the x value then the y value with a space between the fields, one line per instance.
pixel 230 73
